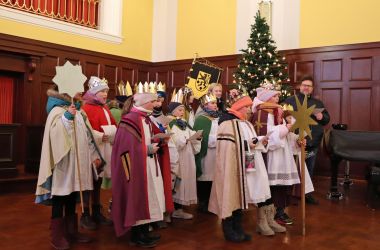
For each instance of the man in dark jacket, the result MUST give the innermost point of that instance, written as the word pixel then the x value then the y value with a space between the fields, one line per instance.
pixel 322 118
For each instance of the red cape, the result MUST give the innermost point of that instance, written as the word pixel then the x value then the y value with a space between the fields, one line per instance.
pixel 97 117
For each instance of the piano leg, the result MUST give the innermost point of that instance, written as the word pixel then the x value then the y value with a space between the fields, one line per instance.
pixel 347 182
pixel 334 194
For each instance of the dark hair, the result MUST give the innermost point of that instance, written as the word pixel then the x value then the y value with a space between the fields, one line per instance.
pixel 307 78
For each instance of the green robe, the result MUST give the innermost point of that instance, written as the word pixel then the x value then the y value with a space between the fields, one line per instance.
pixel 202 122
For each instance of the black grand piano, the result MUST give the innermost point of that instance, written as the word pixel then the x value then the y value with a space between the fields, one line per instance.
pixel 351 146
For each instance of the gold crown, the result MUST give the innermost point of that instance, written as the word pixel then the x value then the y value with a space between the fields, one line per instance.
pixel 287 107
pixel 124 89
pixel 242 92
pixel 161 87
pixel 208 98
pixel 177 96
pixel 143 88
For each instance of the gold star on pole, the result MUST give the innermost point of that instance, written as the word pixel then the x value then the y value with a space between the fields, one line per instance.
pixel 303 118
pixel 69 78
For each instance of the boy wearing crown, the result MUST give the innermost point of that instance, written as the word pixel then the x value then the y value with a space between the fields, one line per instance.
pixel 104 127
pixel 138 191
pixel 186 143
pixel 206 120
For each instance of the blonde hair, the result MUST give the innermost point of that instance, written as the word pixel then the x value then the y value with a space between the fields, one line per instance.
pixel 214 85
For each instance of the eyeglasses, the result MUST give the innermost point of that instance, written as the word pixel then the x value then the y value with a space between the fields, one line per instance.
pixel 305 85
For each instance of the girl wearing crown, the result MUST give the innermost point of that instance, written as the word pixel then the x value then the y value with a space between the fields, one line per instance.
pixel 137 181
pixel 282 170
pixel 188 99
pixel 187 143
pixel 206 120
pixel 104 127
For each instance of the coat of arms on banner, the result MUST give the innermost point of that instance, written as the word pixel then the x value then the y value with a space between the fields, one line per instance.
pixel 202 74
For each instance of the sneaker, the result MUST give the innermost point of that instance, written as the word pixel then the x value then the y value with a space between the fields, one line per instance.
pixel 284 219
pixel 309 199
pixel 87 222
pixel 180 214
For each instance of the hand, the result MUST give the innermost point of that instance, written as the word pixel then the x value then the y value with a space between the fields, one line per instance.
pixel 72 109
pixel 289 126
pixel 97 163
pixel 155 147
pixel 252 145
pixel 301 142
pixel 105 138
pixel 319 116
pixel 265 141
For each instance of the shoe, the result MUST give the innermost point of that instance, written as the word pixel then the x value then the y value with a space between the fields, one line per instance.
pixel 160 224
pixel 71 229
pixel 269 212
pixel 57 233
pixel 229 233
pixel 262 226
pixel 309 199
pixel 87 222
pixel 180 214
pixel 98 217
pixel 237 218
pixel 139 237
pixel 283 219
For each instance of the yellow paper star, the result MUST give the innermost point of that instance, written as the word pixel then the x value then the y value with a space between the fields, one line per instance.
pixel 69 78
pixel 303 119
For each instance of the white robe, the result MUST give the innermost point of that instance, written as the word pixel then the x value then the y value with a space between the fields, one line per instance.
pixel 156 196
pixel 257 181
pixel 209 161
pixel 187 189
pixel 65 174
pixel 296 150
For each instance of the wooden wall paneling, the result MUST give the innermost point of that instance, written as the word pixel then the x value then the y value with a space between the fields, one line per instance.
pixel 361 69
pixel 332 99
pixel 332 70
pixel 12 62
pixel 142 75
pixel 360 109
pixel 302 68
pixel 110 74
pixel 128 74
pixel 91 69
pixel 178 77
pixel 162 76
pixel 48 64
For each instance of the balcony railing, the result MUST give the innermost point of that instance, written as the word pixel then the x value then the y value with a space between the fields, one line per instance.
pixel 80 12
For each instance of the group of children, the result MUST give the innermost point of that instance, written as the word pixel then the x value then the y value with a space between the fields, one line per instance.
pixel 219 158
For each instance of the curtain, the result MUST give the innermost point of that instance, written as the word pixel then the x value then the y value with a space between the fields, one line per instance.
pixel 6 100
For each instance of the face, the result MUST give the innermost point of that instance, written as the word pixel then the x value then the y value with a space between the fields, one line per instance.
pixel 191 99
pixel 212 106
pixel 159 102
pixel 217 91
pixel 234 92
pixel 274 99
pixel 179 112
pixel 288 119
pixel 150 105
pixel 306 87
pixel 102 95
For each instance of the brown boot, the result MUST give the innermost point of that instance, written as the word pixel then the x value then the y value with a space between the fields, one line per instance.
pixel 270 211
pixel 73 235
pixel 58 240
pixel 262 223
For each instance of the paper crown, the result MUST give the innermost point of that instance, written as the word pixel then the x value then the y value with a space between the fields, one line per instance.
pixel 96 82
pixel 124 89
pixel 145 88
pixel 208 98
pixel 161 87
pixel 177 96
pixel 186 90
pixel 287 107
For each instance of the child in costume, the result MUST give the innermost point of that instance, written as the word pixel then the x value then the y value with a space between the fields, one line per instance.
pixel 104 128
pixel 206 120
pixel 281 167
pixel 137 181
pixel 187 143
pixel 67 136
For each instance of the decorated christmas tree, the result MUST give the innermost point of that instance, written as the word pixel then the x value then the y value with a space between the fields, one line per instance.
pixel 261 64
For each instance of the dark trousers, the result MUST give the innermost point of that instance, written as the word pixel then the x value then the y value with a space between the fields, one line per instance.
pixel 310 161
pixel 203 192
pixel 280 196
pixel 63 203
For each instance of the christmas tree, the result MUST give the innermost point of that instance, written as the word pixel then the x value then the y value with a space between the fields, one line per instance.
pixel 260 64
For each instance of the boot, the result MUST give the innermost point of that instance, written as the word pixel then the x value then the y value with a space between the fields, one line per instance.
pixel 58 240
pixel 270 211
pixel 150 234
pixel 262 223
pixel 138 238
pixel 87 222
pixel 237 216
pixel 98 217
pixel 73 235
pixel 229 233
